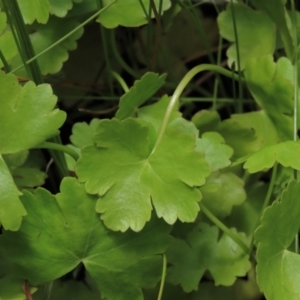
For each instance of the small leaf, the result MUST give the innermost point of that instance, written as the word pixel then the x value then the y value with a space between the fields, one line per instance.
pixel 228 192
pixel 129 13
pixel 255 31
pixel 82 133
pixel 60 8
pixel 140 92
pixel 27 117
pixel 11 209
pixel 202 251
pixel 122 170
pixel 63 231
pixel 216 153
pixel 277 268
pixel 285 153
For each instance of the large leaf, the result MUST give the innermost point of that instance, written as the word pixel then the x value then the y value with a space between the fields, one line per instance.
pixel 121 169
pixel 27 117
pixel 255 33
pixel 63 231
pixel 141 91
pixel 202 251
pixel 11 209
pixel 271 85
pixel 278 268
pixel 129 13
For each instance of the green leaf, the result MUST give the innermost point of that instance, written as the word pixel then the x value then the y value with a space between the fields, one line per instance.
pixel 277 12
pixel 129 179
pixel 277 268
pixel 2 21
pixel 128 13
pixel 82 133
pixel 202 251
pixel 272 88
pixel 255 32
pixel 221 192
pixel 285 153
pixel 27 117
pixel 155 113
pixel 60 8
pixel 11 209
pixel 216 153
pixel 34 10
pixel 63 231
pixel 43 36
pixel 206 120
pixel 244 217
pixel 140 92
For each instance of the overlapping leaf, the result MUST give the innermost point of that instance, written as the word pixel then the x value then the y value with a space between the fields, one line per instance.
pixel 121 169
pixel 223 191
pixel 286 153
pixel 278 268
pixel 43 36
pixel 255 33
pixel 11 209
pixel 202 251
pixel 27 117
pixel 39 10
pixel 60 232
pixel 271 86
pixel 140 92
pixel 216 153
pixel 129 13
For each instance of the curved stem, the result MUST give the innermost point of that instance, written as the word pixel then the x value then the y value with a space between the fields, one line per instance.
pixel 183 83
pixel 120 80
pixel 163 278
pixel 266 202
pixel 224 228
pixel 58 147
pixel 63 38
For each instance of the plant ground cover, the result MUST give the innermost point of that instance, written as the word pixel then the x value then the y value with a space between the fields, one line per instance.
pixel 149 150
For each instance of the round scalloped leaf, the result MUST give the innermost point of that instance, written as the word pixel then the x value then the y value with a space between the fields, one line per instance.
pixel 202 251
pixel 43 36
pixel 82 133
pixel 255 30
pixel 61 7
pixel 129 13
pixel 11 209
pixel 140 92
pixel 27 117
pixel 277 267
pixel 286 153
pixel 35 10
pixel 216 153
pixel 61 232
pixel 222 192
pixel 129 179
